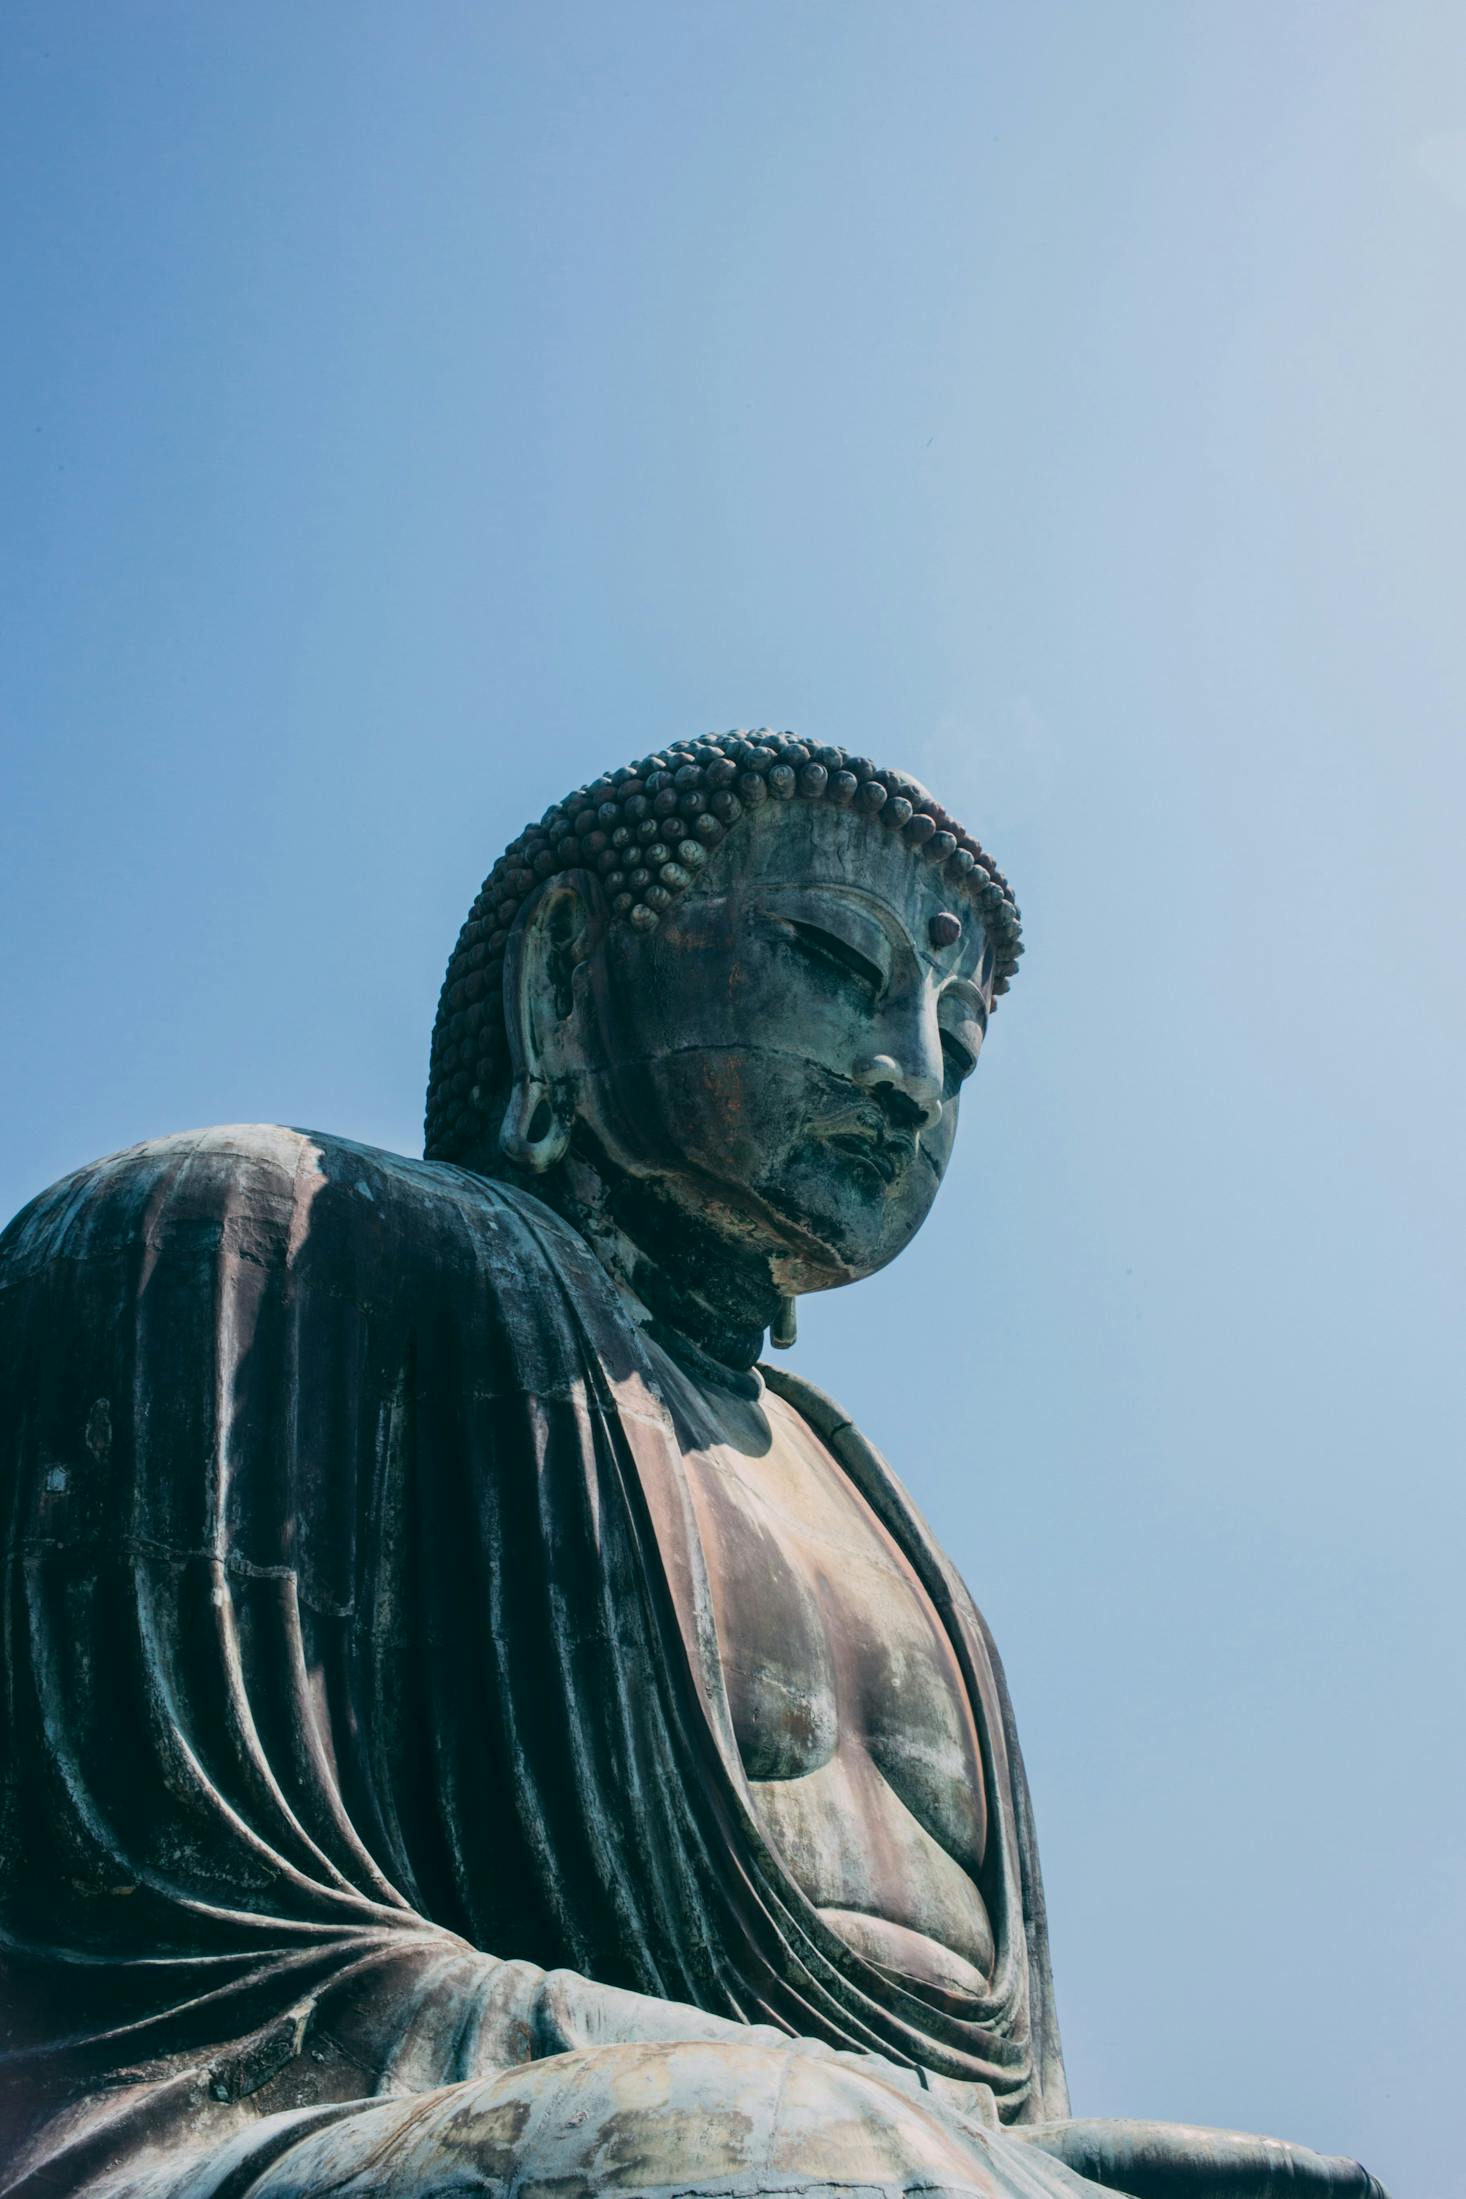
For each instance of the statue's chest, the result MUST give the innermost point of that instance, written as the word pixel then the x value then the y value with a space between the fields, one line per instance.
pixel 829 1643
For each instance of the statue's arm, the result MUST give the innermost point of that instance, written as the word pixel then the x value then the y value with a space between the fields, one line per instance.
pixel 471 2015
pixel 572 2013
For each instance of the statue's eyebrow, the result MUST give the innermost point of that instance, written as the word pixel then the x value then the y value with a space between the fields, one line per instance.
pixel 832 943
pixel 857 920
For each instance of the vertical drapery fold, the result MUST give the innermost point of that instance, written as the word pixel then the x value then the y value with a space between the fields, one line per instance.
pixel 359 1656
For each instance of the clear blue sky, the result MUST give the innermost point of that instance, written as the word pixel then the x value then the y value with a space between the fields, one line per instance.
pixel 410 410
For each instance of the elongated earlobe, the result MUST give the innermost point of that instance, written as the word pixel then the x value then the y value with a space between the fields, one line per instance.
pixel 550 938
pixel 532 1135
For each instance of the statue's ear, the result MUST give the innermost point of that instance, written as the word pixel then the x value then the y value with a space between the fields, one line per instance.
pixel 553 932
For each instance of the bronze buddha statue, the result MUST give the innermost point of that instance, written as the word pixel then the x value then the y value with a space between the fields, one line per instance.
pixel 467 1721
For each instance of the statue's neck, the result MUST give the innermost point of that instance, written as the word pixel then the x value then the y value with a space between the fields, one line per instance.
pixel 683 1273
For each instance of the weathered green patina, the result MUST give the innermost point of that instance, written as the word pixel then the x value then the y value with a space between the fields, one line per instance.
pixel 467 1724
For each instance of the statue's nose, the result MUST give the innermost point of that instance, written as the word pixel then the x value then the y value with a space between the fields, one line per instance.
pixel 917 1079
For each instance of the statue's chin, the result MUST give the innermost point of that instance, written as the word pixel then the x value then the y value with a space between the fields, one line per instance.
pixel 855 1210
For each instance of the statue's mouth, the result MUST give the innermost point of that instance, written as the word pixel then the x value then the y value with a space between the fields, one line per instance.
pixel 890 1153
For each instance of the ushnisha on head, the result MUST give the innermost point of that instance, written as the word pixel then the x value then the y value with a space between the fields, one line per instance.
pixel 740 982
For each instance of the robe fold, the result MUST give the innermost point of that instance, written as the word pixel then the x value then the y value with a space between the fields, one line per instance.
pixel 361 1669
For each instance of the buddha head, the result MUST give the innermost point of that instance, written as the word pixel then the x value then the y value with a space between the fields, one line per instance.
pixel 727 998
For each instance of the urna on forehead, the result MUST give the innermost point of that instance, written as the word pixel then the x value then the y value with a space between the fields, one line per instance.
pixel 642 834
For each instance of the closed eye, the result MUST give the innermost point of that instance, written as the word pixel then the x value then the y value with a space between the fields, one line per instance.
pixel 958 1061
pixel 834 953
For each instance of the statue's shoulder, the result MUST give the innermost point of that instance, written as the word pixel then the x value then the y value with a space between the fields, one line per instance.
pixel 302 1199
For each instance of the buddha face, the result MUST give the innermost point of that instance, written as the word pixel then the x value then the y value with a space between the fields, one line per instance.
pixel 784 1054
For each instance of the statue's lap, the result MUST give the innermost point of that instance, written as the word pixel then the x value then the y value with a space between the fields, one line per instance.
pixel 656 2119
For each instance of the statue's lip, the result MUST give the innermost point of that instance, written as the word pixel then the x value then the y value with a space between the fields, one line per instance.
pixel 890 1154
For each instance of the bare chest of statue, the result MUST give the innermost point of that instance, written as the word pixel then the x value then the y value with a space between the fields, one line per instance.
pixel 848 1705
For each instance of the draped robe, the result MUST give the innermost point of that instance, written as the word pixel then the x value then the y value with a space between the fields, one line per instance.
pixel 361 1668
pixel 364 1731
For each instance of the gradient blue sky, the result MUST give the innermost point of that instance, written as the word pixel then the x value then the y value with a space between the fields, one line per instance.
pixel 411 410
